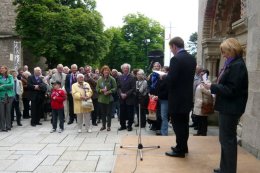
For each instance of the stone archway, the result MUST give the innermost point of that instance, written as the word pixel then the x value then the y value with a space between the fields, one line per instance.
pixel 219 18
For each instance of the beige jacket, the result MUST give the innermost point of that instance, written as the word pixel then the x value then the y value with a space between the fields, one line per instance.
pixel 77 92
pixel 201 95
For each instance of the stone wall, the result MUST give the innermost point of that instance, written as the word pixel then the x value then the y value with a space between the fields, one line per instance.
pixel 7 32
pixel 202 8
pixel 7 17
pixel 251 119
pixel 6 49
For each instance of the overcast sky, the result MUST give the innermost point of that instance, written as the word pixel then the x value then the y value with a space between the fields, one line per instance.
pixel 182 15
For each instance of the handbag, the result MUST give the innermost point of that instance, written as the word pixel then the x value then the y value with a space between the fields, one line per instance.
pixel 87 103
pixel 207 108
pixel 152 105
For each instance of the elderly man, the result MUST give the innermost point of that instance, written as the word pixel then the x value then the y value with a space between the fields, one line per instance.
pixel 25 69
pixel 37 89
pixel 59 76
pixel 126 89
pixel 89 77
pixel 70 80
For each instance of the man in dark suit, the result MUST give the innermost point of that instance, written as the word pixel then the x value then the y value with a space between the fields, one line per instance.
pixel 180 82
pixel 36 92
pixel 71 79
pixel 126 90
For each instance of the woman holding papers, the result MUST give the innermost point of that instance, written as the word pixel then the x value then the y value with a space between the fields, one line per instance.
pixel 231 97
pixel 202 97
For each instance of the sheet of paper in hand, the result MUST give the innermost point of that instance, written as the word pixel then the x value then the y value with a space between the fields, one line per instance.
pixel 205 78
pixel 161 73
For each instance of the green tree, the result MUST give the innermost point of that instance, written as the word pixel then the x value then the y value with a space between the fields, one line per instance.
pixel 192 44
pixel 142 35
pixel 63 31
pixel 119 51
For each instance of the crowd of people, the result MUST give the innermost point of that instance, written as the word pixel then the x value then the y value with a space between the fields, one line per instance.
pixel 91 96
pixel 58 93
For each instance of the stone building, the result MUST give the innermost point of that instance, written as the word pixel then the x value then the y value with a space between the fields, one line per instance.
pixel 221 19
pixel 7 33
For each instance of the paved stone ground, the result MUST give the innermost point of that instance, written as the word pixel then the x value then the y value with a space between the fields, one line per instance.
pixel 35 149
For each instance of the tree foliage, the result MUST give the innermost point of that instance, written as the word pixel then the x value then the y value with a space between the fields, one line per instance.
pixel 63 31
pixel 192 43
pixel 130 43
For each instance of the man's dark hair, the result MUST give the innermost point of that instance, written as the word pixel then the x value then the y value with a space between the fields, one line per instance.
pixel 177 41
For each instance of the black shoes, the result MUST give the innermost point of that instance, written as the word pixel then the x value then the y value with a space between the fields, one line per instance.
pixel 176 150
pixel 32 124
pixel 129 129
pixel 102 128
pixel 70 122
pixel 19 124
pixel 199 135
pixel 217 170
pixel 122 128
pixel 175 154
pixel 94 124
pixel 38 123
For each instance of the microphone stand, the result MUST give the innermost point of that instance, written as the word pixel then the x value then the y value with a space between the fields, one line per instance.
pixel 140 146
pixel 150 66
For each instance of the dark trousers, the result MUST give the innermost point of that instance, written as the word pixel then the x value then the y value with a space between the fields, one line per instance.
pixel 26 107
pixel 58 113
pixel 94 112
pixel 180 122
pixel 5 113
pixel 228 142
pixel 202 125
pixel 105 110
pixel 36 110
pixel 15 107
pixel 195 120
pixel 71 108
pixel 126 113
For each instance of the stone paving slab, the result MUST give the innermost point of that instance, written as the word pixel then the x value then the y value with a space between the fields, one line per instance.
pixel 101 153
pixel 106 163
pixel 14 157
pixel 72 140
pixel 23 152
pixel 28 147
pixel 50 160
pixel 62 163
pixel 34 149
pixel 5 163
pixel 54 139
pixel 4 154
pixel 50 169
pixel 52 150
pixel 97 147
pixel 74 155
pixel 26 163
pixel 84 166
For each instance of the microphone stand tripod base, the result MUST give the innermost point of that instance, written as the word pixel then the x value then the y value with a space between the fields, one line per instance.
pixel 140 146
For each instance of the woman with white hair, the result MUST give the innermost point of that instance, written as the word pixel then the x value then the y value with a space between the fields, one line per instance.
pixel 142 97
pixel 81 91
